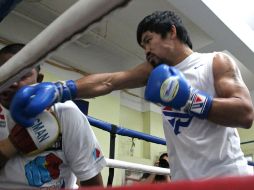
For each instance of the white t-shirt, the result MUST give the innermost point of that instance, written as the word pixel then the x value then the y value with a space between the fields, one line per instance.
pixel 200 149
pixel 75 153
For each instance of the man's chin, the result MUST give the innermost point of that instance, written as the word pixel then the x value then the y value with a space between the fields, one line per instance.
pixel 156 63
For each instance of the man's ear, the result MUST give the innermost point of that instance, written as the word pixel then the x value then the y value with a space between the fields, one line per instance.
pixel 173 31
pixel 40 77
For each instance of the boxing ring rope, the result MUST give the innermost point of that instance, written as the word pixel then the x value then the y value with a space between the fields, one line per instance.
pixel 113 130
pixel 131 133
pixel 112 163
pixel 124 132
pixel 65 28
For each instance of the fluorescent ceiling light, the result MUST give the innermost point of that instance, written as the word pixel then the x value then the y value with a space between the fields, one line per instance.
pixel 237 15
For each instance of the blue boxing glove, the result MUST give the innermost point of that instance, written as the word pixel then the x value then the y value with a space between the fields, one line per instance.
pixel 168 86
pixel 30 101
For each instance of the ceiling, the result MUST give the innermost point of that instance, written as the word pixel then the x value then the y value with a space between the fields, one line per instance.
pixel 110 45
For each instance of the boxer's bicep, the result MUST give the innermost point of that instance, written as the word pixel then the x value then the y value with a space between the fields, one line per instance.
pixel 227 78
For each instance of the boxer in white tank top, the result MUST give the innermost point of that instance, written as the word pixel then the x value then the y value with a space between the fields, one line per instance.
pixel 200 148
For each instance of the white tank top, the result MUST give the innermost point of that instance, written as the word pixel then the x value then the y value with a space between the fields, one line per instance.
pixel 198 148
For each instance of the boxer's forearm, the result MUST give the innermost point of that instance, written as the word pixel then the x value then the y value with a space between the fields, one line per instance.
pixel 7 150
pixel 103 83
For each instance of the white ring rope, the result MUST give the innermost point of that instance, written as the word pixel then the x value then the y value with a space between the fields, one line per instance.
pixel 111 163
pixel 73 21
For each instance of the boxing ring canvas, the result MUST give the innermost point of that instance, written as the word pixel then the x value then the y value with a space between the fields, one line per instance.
pixel 230 183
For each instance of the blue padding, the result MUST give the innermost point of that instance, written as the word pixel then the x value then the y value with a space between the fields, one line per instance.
pixel 250 163
pixel 6 6
pixel 82 105
pixel 125 132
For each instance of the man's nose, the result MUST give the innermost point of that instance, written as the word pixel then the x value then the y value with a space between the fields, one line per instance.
pixel 147 49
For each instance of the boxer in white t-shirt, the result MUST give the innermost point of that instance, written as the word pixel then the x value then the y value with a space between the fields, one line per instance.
pixel 58 149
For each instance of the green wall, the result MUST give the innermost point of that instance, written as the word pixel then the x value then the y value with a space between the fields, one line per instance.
pixel 247 135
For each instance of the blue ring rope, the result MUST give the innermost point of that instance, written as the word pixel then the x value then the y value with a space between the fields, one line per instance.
pixel 125 132
pixel 134 134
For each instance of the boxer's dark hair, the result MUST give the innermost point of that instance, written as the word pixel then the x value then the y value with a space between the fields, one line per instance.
pixel 161 22
pixel 13 49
